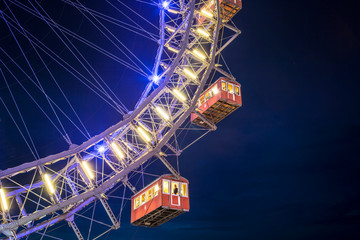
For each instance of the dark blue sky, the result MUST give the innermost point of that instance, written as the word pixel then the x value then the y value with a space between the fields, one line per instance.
pixel 286 164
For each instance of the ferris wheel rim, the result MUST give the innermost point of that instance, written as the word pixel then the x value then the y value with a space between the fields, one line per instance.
pixel 105 186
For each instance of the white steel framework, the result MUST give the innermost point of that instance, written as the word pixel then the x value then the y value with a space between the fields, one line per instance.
pixel 60 186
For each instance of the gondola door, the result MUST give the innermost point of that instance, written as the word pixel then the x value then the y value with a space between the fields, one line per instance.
pixel 175 193
pixel 231 94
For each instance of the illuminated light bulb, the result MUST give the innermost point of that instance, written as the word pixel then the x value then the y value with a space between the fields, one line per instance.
pixel 162 113
pixel 179 95
pixel 173 49
pixel 165 4
pixel 144 134
pixel 3 200
pixel 156 188
pixel 164 65
pixel 202 32
pixel 198 54
pixel 206 13
pixel 116 149
pixel 170 29
pixel 173 11
pixel 87 169
pixel 49 183
pixel 190 73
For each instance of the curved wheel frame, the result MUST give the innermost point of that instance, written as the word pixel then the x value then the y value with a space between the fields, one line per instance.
pixel 142 134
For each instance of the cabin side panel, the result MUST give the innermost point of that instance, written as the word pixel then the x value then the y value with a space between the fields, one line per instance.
pixel 152 201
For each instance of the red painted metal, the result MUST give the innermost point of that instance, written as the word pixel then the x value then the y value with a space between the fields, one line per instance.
pixel 169 201
pixel 216 96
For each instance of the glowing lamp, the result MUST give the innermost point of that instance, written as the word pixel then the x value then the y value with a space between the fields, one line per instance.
pixel 199 54
pixel 179 95
pixel 87 170
pixel 4 205
pixel 207 14
pixel 202 32
pixel 49 183
pixel 170 29
pixel 144 134
pixel 117 150
pixel 163 114
pixel 173 49
pixel 173 11
pixel 190 73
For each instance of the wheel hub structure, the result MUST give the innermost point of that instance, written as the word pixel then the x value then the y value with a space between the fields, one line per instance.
pixel 39 195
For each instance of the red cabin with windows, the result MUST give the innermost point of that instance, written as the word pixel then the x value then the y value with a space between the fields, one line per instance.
pixel 218 101
pixel 162 200
pixel 228 9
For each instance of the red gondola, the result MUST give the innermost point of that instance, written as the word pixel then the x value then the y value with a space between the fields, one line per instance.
pixel 162 200
pixel 218 101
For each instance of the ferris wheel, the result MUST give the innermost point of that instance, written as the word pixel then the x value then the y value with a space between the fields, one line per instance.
pixel 189 89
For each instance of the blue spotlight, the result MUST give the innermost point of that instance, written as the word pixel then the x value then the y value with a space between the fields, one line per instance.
pixel 101 149
pixel 155 79
pixel 165 4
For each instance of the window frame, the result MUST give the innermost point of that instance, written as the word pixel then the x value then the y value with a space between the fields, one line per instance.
pixel 169 186
pixel 233 92
pixel 187 190
pixel 138 198
pixel 226 89
pixel 171 189
pixel 238 87
pixel 141 202
pixel 157 192
pixel 147 194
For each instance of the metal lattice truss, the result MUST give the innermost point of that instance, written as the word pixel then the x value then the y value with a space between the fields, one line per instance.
pixel 39 194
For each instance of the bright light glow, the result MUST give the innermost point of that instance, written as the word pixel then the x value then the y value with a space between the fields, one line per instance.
pixel 179 95
pixel 165 4
pixel 164 65
pixel 170 29
pixel 190 73
pixel 202 32
pixel 144 134
pixel 155 79
pixel 49 183
pixel 215 90
pixel 173 49
pixel 3 200
pixel 101 149
pixel 199 54
pixel 87 169
pixel 162 113
pixel 156 188
pixel 206 13
pixel 173 11
pixel 117 150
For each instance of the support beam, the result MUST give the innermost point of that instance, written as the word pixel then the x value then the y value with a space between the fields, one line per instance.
pixel 223 72
pixel 210 124
pixel 129 185
pixel 173 149
pixel 75 227
pixel 169 166
pixel 109 212
pixel 23 210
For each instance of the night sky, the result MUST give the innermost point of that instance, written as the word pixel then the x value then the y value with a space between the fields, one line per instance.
pixel 286 164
